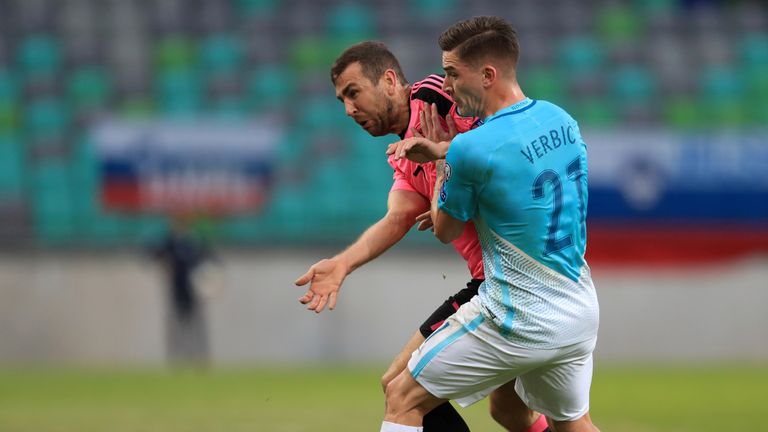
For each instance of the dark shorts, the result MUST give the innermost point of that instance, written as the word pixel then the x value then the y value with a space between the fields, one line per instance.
pixel 449 307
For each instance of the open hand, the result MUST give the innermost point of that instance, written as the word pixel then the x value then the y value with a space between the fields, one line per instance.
pixel 325 279
pixel 432 126
pixel 418 149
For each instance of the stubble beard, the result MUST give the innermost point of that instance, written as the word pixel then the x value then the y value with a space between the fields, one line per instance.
pixel 472 105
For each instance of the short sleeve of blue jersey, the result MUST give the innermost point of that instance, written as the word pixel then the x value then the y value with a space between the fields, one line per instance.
pixel 458 196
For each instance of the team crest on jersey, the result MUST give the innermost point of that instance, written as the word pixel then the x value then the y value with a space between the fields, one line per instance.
pixel 447 176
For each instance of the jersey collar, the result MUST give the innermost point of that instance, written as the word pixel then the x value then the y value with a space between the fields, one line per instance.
pixel 512 109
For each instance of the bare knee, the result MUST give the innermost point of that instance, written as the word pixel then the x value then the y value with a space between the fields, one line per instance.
pixel 407 402
pixel 513 420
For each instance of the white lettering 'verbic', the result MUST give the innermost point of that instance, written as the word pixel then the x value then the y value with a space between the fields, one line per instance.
pixel 190 189
pixel 549 142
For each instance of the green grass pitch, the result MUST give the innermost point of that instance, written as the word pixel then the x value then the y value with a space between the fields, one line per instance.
pixel 624 399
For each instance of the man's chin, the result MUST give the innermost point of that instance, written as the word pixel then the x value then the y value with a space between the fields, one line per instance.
pixel 373 131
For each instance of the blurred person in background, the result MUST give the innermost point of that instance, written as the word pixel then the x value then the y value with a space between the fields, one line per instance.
pixel 370 83
pixel 182 256
pixel 522 178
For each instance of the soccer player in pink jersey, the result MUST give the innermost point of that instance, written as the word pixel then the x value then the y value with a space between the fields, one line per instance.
pixel 371 85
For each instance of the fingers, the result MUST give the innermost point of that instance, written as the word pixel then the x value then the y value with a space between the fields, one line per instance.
pixel 452 129
pixel 425 221
pixel 320 304
pixel 332 301
pixel 434 119
pixel 416 133
pixel 403 148
pixel 306 298
pixel 423 121
pixel 400 148
pixel 306 277
pixel 425 225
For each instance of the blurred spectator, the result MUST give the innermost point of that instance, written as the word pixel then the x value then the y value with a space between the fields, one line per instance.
pixel 182 255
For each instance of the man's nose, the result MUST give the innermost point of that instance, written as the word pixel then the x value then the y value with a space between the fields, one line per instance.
pixel 447 87
pixel 350 108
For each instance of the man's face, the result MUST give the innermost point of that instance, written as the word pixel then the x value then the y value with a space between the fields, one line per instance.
pixel 367 103
pixel 464 84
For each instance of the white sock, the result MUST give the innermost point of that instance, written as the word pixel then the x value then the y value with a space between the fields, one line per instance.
pixel 394 427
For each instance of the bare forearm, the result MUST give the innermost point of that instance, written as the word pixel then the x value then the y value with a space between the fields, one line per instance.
pixel 440 171
pixel 374 241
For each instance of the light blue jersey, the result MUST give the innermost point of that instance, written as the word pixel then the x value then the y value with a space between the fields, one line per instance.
pixel 522 177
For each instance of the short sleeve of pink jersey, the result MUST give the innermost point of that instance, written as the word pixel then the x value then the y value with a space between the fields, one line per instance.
pixel 400 179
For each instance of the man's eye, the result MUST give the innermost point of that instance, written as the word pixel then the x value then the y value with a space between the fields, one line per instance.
pixel 352 94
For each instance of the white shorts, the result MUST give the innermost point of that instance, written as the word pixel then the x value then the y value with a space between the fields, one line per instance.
pixel 467 358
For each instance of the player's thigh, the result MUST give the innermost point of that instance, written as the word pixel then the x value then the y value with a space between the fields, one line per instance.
pixel 459 362
pixel 432 323
pixel 560 389
pixel 401 360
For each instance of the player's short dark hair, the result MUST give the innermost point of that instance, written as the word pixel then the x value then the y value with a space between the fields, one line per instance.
pixel 481 37
pixel 374 57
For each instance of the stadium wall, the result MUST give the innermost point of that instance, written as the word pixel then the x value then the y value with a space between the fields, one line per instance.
pixel 108 309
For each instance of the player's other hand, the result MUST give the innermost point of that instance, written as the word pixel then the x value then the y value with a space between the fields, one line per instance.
pixel 433 127
pixel 418 149
pixel 324 278
pixel 424 220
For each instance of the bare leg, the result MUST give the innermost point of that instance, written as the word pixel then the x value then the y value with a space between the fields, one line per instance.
pixel 583 424
pixel 401 360
pixel 509 410
pixel 408 401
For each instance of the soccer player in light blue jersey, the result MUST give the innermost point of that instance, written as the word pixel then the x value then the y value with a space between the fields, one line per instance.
pixel 522 178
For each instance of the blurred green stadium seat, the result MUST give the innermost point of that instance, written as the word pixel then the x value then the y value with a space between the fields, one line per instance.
pixel 351 21
pixel 721 92
pixel 9 86
pixel 179 92
pixel 271 86
pixel 250 8
pixel 311 53
pixel 718 83
pixel 433 8
pixel 137 107
pixel 89 87
pixel 633 85
pixel 39 55
pixel 9 117
pixel 175 53
pixel 757 111
pixel 221 53
pixel 754 51
pixel 651 7
pixel 227 108
pixel 52 203
pixel 682 112
pixel 46 117
pixel 544 83
pixel 322 113
pixel 594 112
pixel 617 22
pixel 580 55
pixel 12 167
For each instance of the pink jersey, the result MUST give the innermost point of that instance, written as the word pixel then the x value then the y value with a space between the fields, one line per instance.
pixel 421 178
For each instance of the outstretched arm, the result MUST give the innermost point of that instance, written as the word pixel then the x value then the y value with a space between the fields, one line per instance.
pixel 446 227
pixel 326 276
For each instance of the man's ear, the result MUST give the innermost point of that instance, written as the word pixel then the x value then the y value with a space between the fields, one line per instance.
pixel 390 81
pixel 489 75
